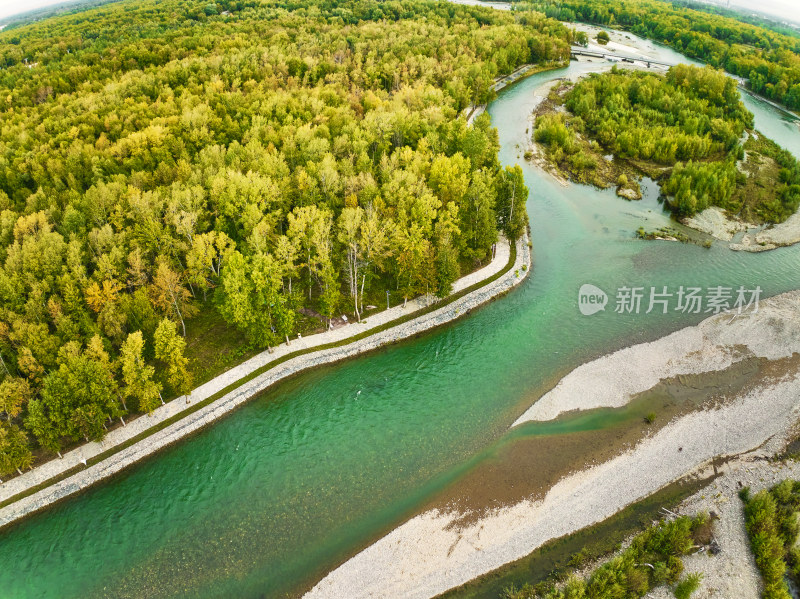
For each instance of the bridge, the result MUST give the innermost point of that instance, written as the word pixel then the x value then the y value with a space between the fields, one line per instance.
pixel 619 57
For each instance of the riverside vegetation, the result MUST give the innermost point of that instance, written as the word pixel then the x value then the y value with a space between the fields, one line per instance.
pixel 651 560
pixel 688 129
pixel 252 166
pixel 772 526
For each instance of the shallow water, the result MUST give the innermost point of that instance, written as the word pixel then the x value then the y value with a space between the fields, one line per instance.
pixel 276 494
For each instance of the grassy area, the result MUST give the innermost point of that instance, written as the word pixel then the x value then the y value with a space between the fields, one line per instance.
pixel 191 408
pixel 213 346
pixel 553 562
pixel 755 195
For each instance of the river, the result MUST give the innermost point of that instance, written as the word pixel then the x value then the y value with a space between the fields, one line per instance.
pixel 269 499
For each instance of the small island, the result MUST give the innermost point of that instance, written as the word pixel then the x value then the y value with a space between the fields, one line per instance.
pixel 688 130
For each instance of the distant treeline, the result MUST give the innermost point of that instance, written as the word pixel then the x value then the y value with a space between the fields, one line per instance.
pixel 769 60
pixel 46 12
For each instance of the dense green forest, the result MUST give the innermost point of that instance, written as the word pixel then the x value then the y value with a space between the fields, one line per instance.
pixel 685 128
pixel 769 60
pixel 163 161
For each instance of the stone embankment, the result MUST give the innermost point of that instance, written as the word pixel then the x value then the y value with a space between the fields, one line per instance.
pixel 67 482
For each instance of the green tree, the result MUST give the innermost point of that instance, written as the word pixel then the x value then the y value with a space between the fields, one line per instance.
pixel 75 400
pixel 169 348
pixel 138 375
pixel 14 394
pixel 252 299
pixel 478 219
pixel 15 454
pixel 205 259
pixel 416 270
pixel 512 195
pixel 350 227
pixel 170 296
pixel 447 268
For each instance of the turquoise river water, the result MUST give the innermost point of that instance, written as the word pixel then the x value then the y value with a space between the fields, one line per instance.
pixel 275 495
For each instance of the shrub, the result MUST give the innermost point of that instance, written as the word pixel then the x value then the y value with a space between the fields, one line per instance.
pixel 552 131
pixel 687 586
pixel 761 521
pixel 652 559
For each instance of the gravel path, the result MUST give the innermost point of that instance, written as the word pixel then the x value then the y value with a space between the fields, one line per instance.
pixel 228 402
pixel 429 554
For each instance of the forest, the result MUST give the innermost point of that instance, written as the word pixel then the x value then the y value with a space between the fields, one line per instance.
pixel 246 163
pixel 686 129
pixel 767 59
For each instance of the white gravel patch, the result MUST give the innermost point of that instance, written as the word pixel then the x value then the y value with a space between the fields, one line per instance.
pixel 610 381
pixel 423 557
pixel 732 572
pixel 782 234
pixel 620 42
pixel 757 238
pixel 716 223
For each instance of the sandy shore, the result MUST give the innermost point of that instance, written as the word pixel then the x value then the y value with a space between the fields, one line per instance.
pixel 763 239
pixel 435 551
pixel 714 222
pixel 757 238
pixel 620 42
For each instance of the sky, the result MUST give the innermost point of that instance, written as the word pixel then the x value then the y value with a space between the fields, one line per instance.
pixel 786 9
pixel 781 8
pixel 12 7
